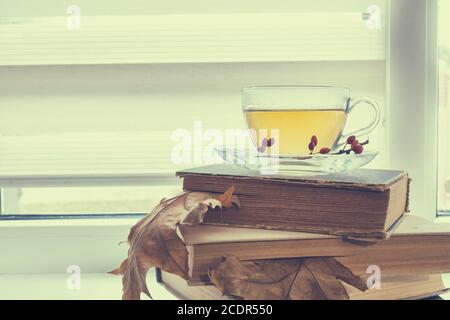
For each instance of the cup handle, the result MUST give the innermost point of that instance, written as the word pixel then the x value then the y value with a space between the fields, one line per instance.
pixel 352 103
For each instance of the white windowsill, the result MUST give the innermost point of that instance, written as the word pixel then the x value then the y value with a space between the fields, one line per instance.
pixel 50 246
pixel 442 220
pixel 82 222
pixel 93 287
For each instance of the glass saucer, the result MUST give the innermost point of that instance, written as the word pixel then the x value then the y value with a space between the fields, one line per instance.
pixel 328 163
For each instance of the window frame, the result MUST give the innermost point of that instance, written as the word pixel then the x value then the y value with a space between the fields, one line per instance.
pixel 412 93
pixel 133 180
pixel 418 156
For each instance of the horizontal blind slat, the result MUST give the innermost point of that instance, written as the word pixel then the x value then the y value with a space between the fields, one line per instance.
pixel 190 38
pixel 82 154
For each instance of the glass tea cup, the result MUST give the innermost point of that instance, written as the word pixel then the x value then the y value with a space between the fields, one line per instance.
pixel 285 118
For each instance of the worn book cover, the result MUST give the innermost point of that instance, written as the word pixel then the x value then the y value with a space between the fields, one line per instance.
pixel 417 245
pixel 362 203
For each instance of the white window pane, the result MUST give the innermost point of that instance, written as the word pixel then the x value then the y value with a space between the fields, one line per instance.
pixel 78 112
pixel 84 200
pixel 444 108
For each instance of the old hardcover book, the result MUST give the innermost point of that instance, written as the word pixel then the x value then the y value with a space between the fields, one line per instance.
pixel 358 203
pixel 393 287
pixel 416 246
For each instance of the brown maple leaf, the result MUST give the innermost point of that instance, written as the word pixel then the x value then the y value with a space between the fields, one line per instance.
pixel 284 279
pixel 154 241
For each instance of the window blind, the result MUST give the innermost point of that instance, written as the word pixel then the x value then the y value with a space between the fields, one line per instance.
pixel 84 123
pixel 251 37
pixel 98 155
pixel 100 103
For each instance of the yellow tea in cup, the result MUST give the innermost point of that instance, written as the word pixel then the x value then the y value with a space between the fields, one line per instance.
pixel 289 116
pixel 295 127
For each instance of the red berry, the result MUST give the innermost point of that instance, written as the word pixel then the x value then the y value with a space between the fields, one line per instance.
pixel 325 150
pixel 270 142
pixel 351 139
pixel 357 148
pixel 311 146
pixel 354 143
pixel 314 140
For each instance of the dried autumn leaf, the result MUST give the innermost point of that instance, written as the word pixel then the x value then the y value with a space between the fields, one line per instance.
pixel 198 213
pixel 154 241
pixel 254 280
pixel 227 198
pixel 320 276
pixel 281 279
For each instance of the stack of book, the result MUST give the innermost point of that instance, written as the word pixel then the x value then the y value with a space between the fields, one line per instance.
pixel 358 217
